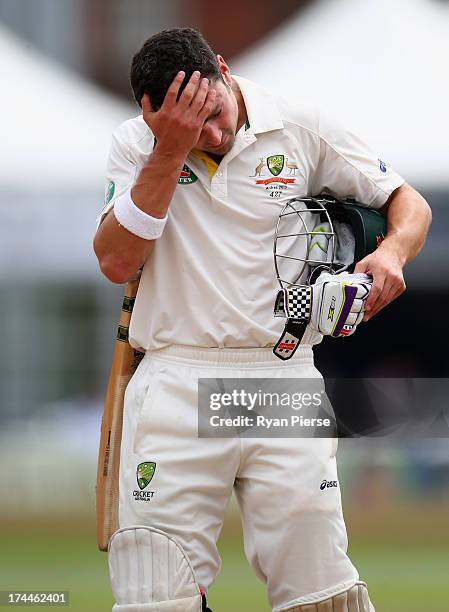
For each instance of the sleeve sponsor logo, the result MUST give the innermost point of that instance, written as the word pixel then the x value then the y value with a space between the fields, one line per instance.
pixel 187 176
pixel 110 189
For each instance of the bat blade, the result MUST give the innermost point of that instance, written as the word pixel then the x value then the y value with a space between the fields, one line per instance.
pixel 124 363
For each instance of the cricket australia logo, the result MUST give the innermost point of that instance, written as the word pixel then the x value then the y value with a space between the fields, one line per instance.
pixel 187 176
pixel 275 164
pixel 275 185
pixel 145 473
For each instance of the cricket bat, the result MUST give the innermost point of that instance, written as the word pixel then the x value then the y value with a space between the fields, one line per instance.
pixel 124 363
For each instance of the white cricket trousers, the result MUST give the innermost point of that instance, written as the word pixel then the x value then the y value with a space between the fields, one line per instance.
pixel 294 532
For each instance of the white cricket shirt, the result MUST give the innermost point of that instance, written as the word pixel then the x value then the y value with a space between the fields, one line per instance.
pixel 210 280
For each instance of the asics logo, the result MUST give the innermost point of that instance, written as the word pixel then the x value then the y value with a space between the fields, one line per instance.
pixel 326 484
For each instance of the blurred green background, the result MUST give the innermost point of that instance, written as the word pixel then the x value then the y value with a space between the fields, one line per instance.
pixel 401 551
pixel 398 540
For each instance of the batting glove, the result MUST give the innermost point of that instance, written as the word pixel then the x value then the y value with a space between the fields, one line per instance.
pixel 338 302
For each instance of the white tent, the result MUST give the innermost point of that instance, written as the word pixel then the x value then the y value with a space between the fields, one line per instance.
pixel 56 127
pixel 381 67
pixel 56 132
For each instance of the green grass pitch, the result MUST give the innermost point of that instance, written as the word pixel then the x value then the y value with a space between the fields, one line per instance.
pixel 402 553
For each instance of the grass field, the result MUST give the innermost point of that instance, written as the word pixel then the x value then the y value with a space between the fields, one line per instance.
pixel 402 551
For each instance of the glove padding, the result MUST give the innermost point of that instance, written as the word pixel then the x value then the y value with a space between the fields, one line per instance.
pixel 338 302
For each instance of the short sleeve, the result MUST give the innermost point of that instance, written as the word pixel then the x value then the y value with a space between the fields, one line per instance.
pixel 348 167
pixel 121 173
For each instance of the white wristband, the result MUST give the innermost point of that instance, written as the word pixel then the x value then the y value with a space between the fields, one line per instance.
pixel 135 220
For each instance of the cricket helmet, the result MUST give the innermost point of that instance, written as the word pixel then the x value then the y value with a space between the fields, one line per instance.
pixel 316 234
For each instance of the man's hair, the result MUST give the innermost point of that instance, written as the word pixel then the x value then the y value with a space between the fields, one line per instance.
pixel 163 55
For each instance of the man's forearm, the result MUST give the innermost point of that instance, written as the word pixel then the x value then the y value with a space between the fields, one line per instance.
pixel 121 253
pixel 156 183
pixel 408 220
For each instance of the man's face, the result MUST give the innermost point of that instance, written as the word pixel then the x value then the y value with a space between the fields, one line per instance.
pixel 218 133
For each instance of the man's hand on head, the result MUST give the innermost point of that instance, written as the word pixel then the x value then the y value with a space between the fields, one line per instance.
pixel 177 125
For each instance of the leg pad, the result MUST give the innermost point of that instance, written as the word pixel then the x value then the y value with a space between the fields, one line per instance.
pixel 354 599
pixel 150 572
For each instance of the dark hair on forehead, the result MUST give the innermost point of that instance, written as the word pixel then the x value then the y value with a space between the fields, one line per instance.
pixel 163 55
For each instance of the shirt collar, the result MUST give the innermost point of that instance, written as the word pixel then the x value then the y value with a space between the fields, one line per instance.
pixel 263 112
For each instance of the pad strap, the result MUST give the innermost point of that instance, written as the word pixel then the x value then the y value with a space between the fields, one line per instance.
pixel 294 303
pixel 291 338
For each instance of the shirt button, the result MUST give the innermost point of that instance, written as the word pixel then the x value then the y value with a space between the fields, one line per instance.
pixel 220 173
